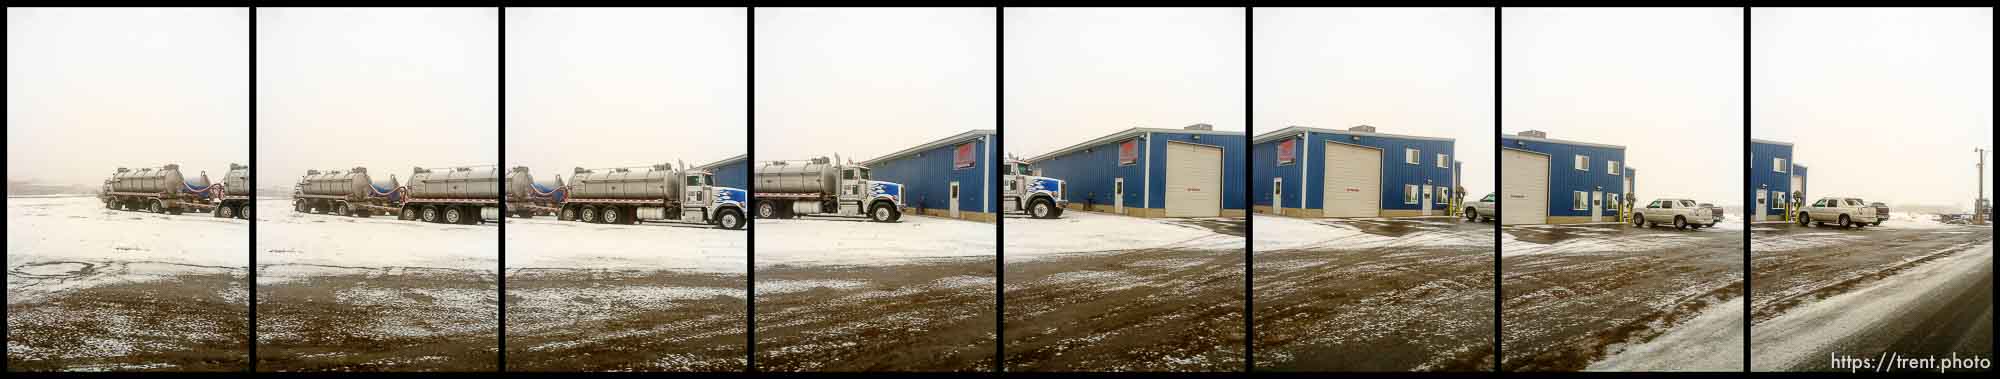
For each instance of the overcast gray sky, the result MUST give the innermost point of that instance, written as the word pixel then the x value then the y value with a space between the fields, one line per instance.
pixel 1884 104
pixel 1412 71
pixel 864 82
pixel 604 87
pixel 91 90
pixel 1074 74
pixel 1666 83
pixel 383 88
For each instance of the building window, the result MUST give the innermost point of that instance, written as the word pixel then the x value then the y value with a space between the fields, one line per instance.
pixel 1777 164
pixel 1412 156
pixel 1778 199
pixel 1583 163
pixel 1614 204
pixel 1444 161
pixel 1614 168
pixel 1579 201
pixel 1443 195
pixel 1410 193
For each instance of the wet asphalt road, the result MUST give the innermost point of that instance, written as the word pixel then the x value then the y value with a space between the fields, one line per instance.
pixel 1926 309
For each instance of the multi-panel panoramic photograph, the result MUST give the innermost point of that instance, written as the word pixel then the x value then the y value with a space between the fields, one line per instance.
pixel 999 189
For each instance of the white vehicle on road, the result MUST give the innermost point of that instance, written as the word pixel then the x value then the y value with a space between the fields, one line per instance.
pixel 1482 210
pixel 1843 211
pixel 1681 213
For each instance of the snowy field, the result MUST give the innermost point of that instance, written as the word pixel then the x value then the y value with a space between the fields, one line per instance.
pixel 92 289
pixel 1276 233
pixel 1077 232
pixel 285 237
pixel 544 242
pixel 842 241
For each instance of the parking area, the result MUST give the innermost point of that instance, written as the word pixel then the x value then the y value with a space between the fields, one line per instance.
pixel 1412 294
pixel 93 289
pixel 1911 286
pixel 1098 292
pixel 845 294
pixel 340 293
pixel 657 296
pixel 1615 297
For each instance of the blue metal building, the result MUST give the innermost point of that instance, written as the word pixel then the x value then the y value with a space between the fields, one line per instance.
pixel 950 177
pixel 1149 172
pixel 1774 179
pixel 1551 181
pixel 1358 172
pixel 733 172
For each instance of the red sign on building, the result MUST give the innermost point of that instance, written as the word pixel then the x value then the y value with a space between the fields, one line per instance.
pixel 964 157
pixel 1128 152
pixel 1287 151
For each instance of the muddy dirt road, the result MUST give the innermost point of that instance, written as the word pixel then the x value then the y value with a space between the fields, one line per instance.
pixel 1915 289
pixel 1422 302
pixel 910 317
pixel 1573 295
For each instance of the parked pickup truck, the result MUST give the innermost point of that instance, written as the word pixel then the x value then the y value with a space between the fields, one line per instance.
pixel 1681 213
pixel 1843 211
pixel 1881 213
pixel 1481 210
pixel 1718 211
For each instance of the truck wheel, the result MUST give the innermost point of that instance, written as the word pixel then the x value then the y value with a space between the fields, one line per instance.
pixel 430 214
pixel 1042 208
pixel 1639 220
pixel 341 209
pixel 1680 223
pixel 766 209
pixel 1877 223
pixel 589 214
pixel 1803 220
pixel 243 211
pixel 111 204
pixel 1844 223
pixel 612 215
pixel 299 206
pixel 568 214
pixel 154 207
pixel 409 213
pixel 454 215
pixel 881 213
pixel 174 211
pixel 730 219
pixel 1471 215
pixel 225 212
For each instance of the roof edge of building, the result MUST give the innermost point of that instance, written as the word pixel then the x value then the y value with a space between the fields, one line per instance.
pixel 941 142
pixel 1564 142
pixel 1121 135
pixel 1765 141
pixel 1266 137
pixel 726 161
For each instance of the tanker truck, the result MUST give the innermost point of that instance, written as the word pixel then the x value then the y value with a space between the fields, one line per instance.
pixel 528 196
pixel 789 189
pixel 235 200
pixel 1039 196
pixel 629 195
pixel 350 193
pixel 457 195
pixel 159 190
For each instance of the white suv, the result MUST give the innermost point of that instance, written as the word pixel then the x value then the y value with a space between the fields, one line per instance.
pixel 1481 210
pixel 1843 211
pixel 1681 213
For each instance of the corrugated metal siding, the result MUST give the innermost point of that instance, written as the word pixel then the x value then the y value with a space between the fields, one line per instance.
pixel 735 175
pixel 1089 173
pixel 927 177
pixel 1264 166
pixel 1761 176
pixel 1395 172
pixel 1232 166
pixel 1565 179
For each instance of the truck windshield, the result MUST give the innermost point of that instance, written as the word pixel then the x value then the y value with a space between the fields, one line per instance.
pixel 708 179
pixel 1488 198
pixel 864 174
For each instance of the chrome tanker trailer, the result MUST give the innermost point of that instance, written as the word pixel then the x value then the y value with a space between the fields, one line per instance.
pixel 456 195
pixel 159 190
pixel 235 200
pixel 788 189
pixel 528 196
pixel 349 193
pixel 628 195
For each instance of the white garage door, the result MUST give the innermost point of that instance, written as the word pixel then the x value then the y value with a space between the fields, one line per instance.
pixel 1798 183
pixel 1353 185
pixel 1524 187
pixel 1194 180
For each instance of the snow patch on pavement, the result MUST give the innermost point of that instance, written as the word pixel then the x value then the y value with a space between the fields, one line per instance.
pixel 285 237
pixel 1803 335
pixel 1712 341
pixel 836 241
pixel 59 244
pixel 1075 232
pixel 547 243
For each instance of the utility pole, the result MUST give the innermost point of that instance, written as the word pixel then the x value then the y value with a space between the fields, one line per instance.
pixel 1979 199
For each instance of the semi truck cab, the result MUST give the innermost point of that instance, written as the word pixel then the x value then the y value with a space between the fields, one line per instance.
pixel 712 204
pixel 1039 196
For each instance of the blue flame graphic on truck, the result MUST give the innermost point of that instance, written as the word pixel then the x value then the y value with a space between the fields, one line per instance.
pixel 727 195
pixel 879 189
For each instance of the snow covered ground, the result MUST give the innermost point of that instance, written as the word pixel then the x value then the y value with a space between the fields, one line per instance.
pixel 54 237
pixel 841 241
pixel 545 242
pixel 1077 232
pixel 1712 341
pixel 1804 336
pixel 1275 233
pixel 302 240
pixel 1607 238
